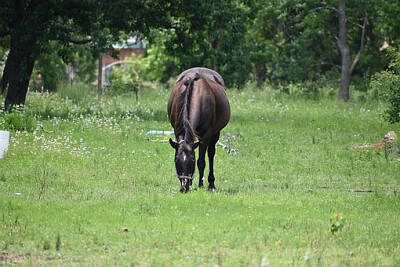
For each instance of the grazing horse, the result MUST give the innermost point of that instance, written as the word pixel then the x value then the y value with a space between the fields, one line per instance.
pixel 197 109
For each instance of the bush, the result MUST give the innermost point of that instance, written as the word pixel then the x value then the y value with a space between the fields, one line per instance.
pixel 48 73
pixel 123 79
pixel 19 120
pixel 308 90
pixel 385 85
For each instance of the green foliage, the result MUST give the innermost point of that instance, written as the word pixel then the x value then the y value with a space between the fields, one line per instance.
pixel 270 36
pixel 52 66
pixel 124 79
pixel 308 90
pixel 49 71
pixel 19 120
pixel 386 86
pixel 295 41
pixel 158 65
pixel 337 222
pixel 211 34
pixel 84 64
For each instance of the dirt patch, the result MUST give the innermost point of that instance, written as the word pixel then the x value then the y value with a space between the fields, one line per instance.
pixel 13 258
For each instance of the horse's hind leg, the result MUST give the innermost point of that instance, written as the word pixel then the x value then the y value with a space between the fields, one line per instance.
pixel 201 162
pixel 211 154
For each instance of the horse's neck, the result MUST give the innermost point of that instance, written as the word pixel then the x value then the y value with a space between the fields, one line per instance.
pixel 189 118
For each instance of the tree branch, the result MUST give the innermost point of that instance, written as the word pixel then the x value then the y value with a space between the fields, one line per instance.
pixel 4 32
pixel 81 41
pixel 323 8
pixel 358 56
pixel 326 64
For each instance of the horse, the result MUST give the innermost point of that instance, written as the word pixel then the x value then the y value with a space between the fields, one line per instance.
pixel 198 109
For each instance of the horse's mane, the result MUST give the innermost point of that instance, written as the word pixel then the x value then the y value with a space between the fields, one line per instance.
pixel 184 125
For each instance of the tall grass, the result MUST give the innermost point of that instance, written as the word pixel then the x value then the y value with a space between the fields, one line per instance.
pixel 90 187
pixel 77 92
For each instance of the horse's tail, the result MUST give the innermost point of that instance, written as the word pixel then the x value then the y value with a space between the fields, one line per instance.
pixel 187 95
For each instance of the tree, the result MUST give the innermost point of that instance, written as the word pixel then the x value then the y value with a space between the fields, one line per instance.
pixel 32 24
pixel 211 34
pixel 297 41
pixel 359 27
pixel 276 40
pixel 347 67
pixel 51 70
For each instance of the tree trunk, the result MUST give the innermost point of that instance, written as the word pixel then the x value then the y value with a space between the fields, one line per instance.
pixel 6 73
pixel 344 92
pixel 19 66
pixel 261 72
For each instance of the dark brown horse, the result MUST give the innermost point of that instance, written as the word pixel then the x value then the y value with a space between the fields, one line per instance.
pixel 197 109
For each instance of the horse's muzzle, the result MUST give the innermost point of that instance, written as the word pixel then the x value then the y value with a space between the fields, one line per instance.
pixel 185 187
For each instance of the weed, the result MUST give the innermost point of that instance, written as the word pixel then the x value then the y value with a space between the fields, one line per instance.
pixel 2 177
pixel 58 242
pixel 337 221
pixel 337 224
pixel 43 178
pixel 46 245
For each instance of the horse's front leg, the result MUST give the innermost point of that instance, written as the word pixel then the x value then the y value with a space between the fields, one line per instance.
pixel 201 163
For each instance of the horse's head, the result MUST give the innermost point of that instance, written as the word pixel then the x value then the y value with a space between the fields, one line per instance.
pixel 185 162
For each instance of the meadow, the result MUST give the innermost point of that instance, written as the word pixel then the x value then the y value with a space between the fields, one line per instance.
pixel 85 184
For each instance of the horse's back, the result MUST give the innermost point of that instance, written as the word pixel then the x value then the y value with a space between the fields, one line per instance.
pixel 204 72
pixel 210 105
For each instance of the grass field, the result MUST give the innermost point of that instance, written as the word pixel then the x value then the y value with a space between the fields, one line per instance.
pixel 88 186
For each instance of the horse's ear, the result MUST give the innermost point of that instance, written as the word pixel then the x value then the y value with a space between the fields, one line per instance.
pixel 173 143
pixel 195 145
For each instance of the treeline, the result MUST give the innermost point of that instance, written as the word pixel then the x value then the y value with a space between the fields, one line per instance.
pixel 280 41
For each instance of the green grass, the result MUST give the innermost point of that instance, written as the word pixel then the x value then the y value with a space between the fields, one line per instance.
pixel 99 191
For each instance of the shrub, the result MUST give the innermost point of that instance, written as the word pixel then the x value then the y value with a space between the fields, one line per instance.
pixel 124 79
pixel 307 90
pixel 19 120
pixel 385 85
